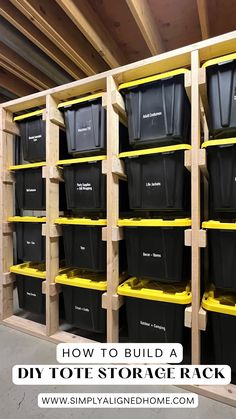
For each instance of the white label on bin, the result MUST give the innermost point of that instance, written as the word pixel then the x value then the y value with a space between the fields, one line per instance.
pixel 31 190
pixel 35 138
pixel 152 184
pixel 86 309
pixel 31 294
pixel 153 325
pixel 151 114
pixel 84 186
pixel 30 242
pixel 84 129
pixel 82 248
pixel 152 255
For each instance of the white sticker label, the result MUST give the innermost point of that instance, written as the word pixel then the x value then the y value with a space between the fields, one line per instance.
pixel 152 184
pixel 31 190
pixel 152 255
pixel 30 242
pixel 84 186
pixel 31 294
pixel 151 115
pixel 86 309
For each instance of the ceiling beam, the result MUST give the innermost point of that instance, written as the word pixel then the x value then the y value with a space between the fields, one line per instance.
pixel 88 22
pixel 20 22
pixel 203 18
pixel 148 27
pixel 55 24
pixel 14 85
pixel 21 68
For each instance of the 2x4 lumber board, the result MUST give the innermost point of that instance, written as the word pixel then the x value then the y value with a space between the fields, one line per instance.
pixel 52 212
pixel 21 68
pixel 88 22
pixel 112 214
pixel 6 205
pixel 27 326
pixel 19 21
pixel 51 20
pixel 66 337
pixel 203 18
pixel 195 205
pixel 14 84
pixel 224 394
pixel 148 26
pixel 181 57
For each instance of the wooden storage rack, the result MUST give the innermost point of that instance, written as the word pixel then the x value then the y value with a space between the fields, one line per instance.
pixel 195 160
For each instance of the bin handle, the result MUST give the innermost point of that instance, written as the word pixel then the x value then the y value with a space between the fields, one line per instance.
pixel 168 121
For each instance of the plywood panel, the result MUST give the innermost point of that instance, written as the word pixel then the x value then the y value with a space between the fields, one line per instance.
pixel 122 27
pixel 222 16
pixel 177 21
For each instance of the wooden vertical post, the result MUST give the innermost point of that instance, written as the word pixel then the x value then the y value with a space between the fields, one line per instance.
pixel 195 205
pixel 112 213
pixel 52 212
pixel 6 205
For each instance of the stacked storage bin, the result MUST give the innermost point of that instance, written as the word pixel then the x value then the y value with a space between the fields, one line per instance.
pixel 85 252
pixel 158 113
pixel 30 196
pixel 220 298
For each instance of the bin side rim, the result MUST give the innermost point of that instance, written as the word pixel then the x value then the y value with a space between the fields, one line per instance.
pixel 27 166
pixel 184 297
pixel 219 60
pixel 155 222
pixel 211 303
pixel 156 77
pixel 155 150
pixel 28 115
pixel 218 225
pixel 26 219
pixel 80 100
pixel 212 143
pixel 81 160
pixel 81 221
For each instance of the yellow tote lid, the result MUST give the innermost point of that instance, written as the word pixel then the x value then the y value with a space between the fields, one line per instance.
pixel 155 150
pixel 218 225
pixel 82 279
pixel 154 78
pixel 81 221
pixel 80 100
pixel 219 60
pixel 219 301
pixel 156 291
pixel 36 270
pixel 81 160
pixel 211 143
pixel 27 166
pixel 28 115
pixel 26 219
pixel 154 222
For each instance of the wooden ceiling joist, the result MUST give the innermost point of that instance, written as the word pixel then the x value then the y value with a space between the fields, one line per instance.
pixel 14 84
pixel 87 21
pixel 24 70
pixel 148 26
pixel 55 24
pixel 20 22
pixel 203 18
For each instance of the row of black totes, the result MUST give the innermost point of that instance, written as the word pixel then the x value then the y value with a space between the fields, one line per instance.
pixel 158 290
pixel 220 296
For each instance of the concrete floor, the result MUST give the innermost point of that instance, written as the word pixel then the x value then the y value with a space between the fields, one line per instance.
pixel 18 402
